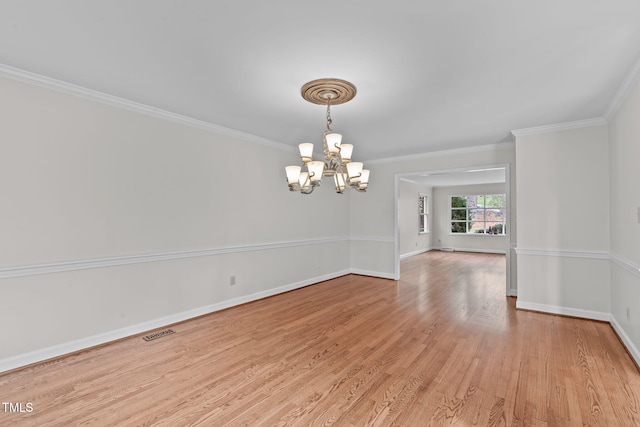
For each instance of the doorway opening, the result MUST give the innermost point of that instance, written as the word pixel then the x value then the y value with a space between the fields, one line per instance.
pixel 455 209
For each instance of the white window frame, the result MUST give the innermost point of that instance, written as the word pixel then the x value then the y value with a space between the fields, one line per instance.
pixel 467 221
pixel 423 216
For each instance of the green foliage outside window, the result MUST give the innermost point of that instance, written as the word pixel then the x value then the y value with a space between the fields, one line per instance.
pixel 481 214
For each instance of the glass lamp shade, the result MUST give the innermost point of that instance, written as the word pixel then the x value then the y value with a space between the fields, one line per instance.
pixel 340 180
pixel 306 151
pixel 345 152
pixel 315 170
pixel 333 141
pixel 353 170
pixel 364 179
pixel 293 174
pixel 304 180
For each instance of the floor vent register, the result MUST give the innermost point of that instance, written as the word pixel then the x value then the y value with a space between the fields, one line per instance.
pixel 156 335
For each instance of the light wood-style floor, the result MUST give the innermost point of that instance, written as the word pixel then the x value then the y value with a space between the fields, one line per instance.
pixel 443 346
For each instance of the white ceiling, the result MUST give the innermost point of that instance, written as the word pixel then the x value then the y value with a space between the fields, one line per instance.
pixel 430 75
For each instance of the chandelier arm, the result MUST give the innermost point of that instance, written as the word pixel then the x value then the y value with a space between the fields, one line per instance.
pixel 335 146
pixel 309 182
pixel 353 183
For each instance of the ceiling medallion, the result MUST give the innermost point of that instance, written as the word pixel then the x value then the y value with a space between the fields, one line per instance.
pixel 322 90
pixel 337 156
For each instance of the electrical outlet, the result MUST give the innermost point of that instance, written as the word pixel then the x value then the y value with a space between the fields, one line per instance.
pixel 628 315
pixel 232 280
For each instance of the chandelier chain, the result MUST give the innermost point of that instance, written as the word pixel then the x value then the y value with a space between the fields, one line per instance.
pixel 329 115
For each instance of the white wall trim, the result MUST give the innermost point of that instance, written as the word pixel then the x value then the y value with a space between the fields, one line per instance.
pixel 627 265
pixel 632 77
pixel 597 121
pixel 475 250
pixel 371 273
pixel 628 343
pixel 94 340
pixel 449 152
pixel 373 239
pixel 561 253
pixel 418 252
pixel 57 267
pixel 565 311
pixel 114 101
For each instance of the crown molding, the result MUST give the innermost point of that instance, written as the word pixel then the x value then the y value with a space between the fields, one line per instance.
pixel 596 121
pixel 629 82
pixel 448 152
pixel 114 101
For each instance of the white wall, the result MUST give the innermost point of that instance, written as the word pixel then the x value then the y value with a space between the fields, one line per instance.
pixel 115 222
pixel 563 221
pixel 413 242
pixel 476 242
pixel 624 143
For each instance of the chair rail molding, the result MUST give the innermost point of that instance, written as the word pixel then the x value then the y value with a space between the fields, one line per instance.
pixel 57 267
pixel 562 253
pixel 625 264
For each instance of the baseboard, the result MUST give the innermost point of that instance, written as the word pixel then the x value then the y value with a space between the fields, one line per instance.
pixel 373 273
pixel 631 348
pixel 565 311
pixel 418 252
pixel 587 314
pixel 47 353
pixel 513 292
pixel 482 251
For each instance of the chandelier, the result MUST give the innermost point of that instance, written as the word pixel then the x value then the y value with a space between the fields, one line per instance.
pixel 337 162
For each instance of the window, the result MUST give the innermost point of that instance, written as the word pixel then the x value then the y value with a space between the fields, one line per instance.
pixel 423 214
pixel 478 214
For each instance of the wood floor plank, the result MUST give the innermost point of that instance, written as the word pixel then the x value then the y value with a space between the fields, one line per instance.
pixel 441 346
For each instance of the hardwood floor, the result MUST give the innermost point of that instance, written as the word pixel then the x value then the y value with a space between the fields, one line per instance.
pixel 443 346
